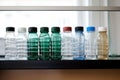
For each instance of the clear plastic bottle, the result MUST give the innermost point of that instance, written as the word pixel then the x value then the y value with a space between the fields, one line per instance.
pixel 10 44
pixel 67 44
pixel 32 43
pixel 21 40
pixel 44 43
pixel 78 46
pixel 102 44
pixel 90 43
pixel 56 43
pixel 2 48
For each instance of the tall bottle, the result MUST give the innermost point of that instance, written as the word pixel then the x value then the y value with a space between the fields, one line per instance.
pixel 90 43
pixel 78 46
pixel 44 43
pixel 56 43
pixel 67 44
pixel 10 44
pixel 102 44
pixel 21 41
pixel 32 43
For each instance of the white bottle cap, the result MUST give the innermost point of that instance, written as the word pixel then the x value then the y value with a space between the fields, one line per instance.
pixel 102 29
pixel 22 30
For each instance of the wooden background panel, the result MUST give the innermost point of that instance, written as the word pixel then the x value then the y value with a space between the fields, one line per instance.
pixel 74 74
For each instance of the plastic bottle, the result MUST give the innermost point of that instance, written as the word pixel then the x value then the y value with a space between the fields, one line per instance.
pixel 44 43
pixel 2 48
pixel 21 40
pixel 56 43
pixel 32 43
pixel 78 48
pixel 67 44
pixel 90 43
pixel 10 44
pixel 102 44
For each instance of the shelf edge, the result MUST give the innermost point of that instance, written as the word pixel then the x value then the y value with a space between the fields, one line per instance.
pixel 59 8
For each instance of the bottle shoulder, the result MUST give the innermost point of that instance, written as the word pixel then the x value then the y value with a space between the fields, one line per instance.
pixel 33 35
pixel 44 35
pixel 102 37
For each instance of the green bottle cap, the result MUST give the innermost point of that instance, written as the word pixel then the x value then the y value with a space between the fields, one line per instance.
pixel 55 29
pixel 32 29
pixel 44 30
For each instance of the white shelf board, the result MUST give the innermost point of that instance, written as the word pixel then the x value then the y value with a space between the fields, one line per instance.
pixel 58 8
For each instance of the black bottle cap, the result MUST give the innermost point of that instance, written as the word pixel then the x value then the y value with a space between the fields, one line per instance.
pixel 10 29
pixel 79 28
pixel 55 29
pixel 44 29
pixel 32 29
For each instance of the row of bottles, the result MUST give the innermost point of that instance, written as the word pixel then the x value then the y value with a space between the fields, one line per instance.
pixel 65 46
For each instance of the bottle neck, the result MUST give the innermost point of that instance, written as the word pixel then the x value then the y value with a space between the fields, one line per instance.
pixel 21 34
pixel 67 31
pixel 44 33
pixel 32 33
pixel 103 32
pixel 10 32
pixel 79 31
pixel 56 33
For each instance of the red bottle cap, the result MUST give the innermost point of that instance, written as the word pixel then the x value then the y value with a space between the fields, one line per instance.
pixel 67 28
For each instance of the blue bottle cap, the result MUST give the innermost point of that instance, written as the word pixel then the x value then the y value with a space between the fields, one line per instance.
pixel 91 28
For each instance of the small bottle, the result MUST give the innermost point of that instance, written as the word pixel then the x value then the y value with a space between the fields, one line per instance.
pixel 90 43
pixel 67 44
pixel 32 43
pixel 21 40
pixel 44 43
pixel 102 44
pixel 56 43
pixel 10 44
pixel 78 48
pixel 2 48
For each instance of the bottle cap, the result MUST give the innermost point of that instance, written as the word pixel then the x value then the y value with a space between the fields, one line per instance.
pixel 44 30
pixel 79 28
pixel 91 28
pixel 102 29
pixel 21 30
pixel 10 29
pixel 55 29
pixel 67 28
pixel 32 30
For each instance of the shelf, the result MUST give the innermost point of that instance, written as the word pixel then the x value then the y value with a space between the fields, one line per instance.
pixel 68 64
pixel 86 64
pixel 59 8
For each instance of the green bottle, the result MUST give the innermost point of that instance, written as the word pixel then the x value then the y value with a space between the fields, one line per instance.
pixel 55 43
pixel 32 43
pixel 44 44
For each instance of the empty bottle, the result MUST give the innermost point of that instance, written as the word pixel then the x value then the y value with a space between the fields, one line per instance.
pixel 67 44
pixel 102 44
pixel 78 46
pixel 32 43
pixel 2 48
pixel 21 40
pixel 10 44
pixel 44 43
pixel 90 43
pixel 56 44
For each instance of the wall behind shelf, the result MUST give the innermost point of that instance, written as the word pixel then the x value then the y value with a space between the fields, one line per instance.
pixel 74 74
